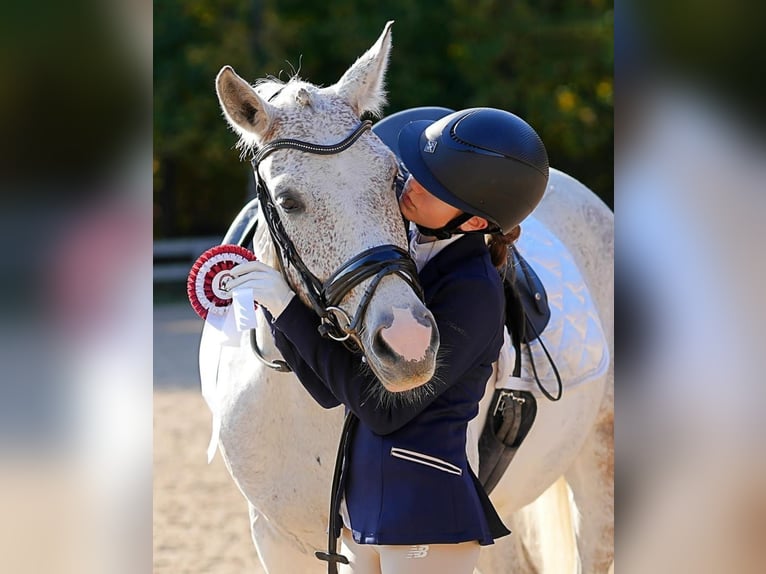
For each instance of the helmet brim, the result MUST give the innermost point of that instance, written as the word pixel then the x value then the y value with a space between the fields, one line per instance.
pixel 412 143
pixel 389 127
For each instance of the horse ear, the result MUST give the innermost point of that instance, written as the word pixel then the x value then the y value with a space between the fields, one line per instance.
pixel 362 84
pixel 244 109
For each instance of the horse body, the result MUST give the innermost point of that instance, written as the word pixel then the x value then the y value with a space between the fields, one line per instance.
pixel 573 437
pixel 584 224
pixel 279 445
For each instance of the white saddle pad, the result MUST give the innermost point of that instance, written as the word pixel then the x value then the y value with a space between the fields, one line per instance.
pixel 574 336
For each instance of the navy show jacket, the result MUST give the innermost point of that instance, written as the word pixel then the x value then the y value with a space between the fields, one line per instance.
pixel 408 479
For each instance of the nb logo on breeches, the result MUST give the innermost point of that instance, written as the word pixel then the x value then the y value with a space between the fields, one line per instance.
pixel 418 551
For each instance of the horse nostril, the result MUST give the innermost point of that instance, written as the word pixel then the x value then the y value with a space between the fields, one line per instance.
pixel 380 347
pixel 430 323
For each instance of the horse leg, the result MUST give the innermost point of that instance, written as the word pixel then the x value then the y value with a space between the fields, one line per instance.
pixel 279 552
pixel 508 555
pixel 591 479
pixel 546 527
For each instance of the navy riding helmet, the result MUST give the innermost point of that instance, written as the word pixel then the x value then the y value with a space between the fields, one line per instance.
pixel 483 161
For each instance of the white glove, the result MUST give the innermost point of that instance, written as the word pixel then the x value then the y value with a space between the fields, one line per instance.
pixel 268 286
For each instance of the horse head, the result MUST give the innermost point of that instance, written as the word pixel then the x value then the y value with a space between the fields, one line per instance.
pixel 335 204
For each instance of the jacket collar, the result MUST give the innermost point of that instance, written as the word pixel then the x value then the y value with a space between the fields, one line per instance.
pixel 467 247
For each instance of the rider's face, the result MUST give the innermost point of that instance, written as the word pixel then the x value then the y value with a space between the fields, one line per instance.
pixel 421 207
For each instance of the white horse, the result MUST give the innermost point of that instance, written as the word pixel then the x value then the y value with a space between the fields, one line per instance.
pixel 279 445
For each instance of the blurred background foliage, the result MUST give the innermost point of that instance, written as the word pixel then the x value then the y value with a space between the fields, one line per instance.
pixel 548 61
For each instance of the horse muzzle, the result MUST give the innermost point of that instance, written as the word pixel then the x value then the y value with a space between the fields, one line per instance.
pixel 403 350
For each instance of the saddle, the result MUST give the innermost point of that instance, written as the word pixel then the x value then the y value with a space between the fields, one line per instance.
pixel 242 229
pixel 512 412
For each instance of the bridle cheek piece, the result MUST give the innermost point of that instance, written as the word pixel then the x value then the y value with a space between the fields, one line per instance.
pixel 374 263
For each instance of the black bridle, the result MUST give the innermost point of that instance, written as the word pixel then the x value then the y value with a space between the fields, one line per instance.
pixel 375 263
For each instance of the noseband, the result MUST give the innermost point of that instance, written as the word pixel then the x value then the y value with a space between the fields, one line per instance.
pixel 374 263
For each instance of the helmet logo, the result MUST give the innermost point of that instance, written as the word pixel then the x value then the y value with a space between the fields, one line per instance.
pixel 430 146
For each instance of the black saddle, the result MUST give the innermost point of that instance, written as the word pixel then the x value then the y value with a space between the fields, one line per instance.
pixel 512 412
pixel 526 303
pixel 242 229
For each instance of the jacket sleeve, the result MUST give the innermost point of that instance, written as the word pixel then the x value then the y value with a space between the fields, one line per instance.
pixel 467 312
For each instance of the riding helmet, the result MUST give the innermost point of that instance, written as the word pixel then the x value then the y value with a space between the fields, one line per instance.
pixel 483 161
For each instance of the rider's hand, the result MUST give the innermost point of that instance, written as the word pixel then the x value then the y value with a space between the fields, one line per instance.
pixel 269 287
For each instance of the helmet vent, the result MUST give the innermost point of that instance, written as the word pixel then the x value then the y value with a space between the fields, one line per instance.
pixel 525 147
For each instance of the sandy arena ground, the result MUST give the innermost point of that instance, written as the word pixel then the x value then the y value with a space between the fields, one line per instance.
pixel 200 518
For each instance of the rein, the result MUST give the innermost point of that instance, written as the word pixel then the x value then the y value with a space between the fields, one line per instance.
pixel 374 263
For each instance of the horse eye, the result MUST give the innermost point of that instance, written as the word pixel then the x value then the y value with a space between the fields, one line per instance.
pixel 289 203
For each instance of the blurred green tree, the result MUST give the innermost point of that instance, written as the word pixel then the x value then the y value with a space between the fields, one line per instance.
pixel 549 61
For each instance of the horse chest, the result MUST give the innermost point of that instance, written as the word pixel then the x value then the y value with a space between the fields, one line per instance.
pixel 279 447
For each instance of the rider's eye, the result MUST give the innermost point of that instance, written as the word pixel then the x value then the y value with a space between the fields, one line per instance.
pixel 289 203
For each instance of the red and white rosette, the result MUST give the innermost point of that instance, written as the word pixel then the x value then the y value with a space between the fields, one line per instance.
pixel 208 276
